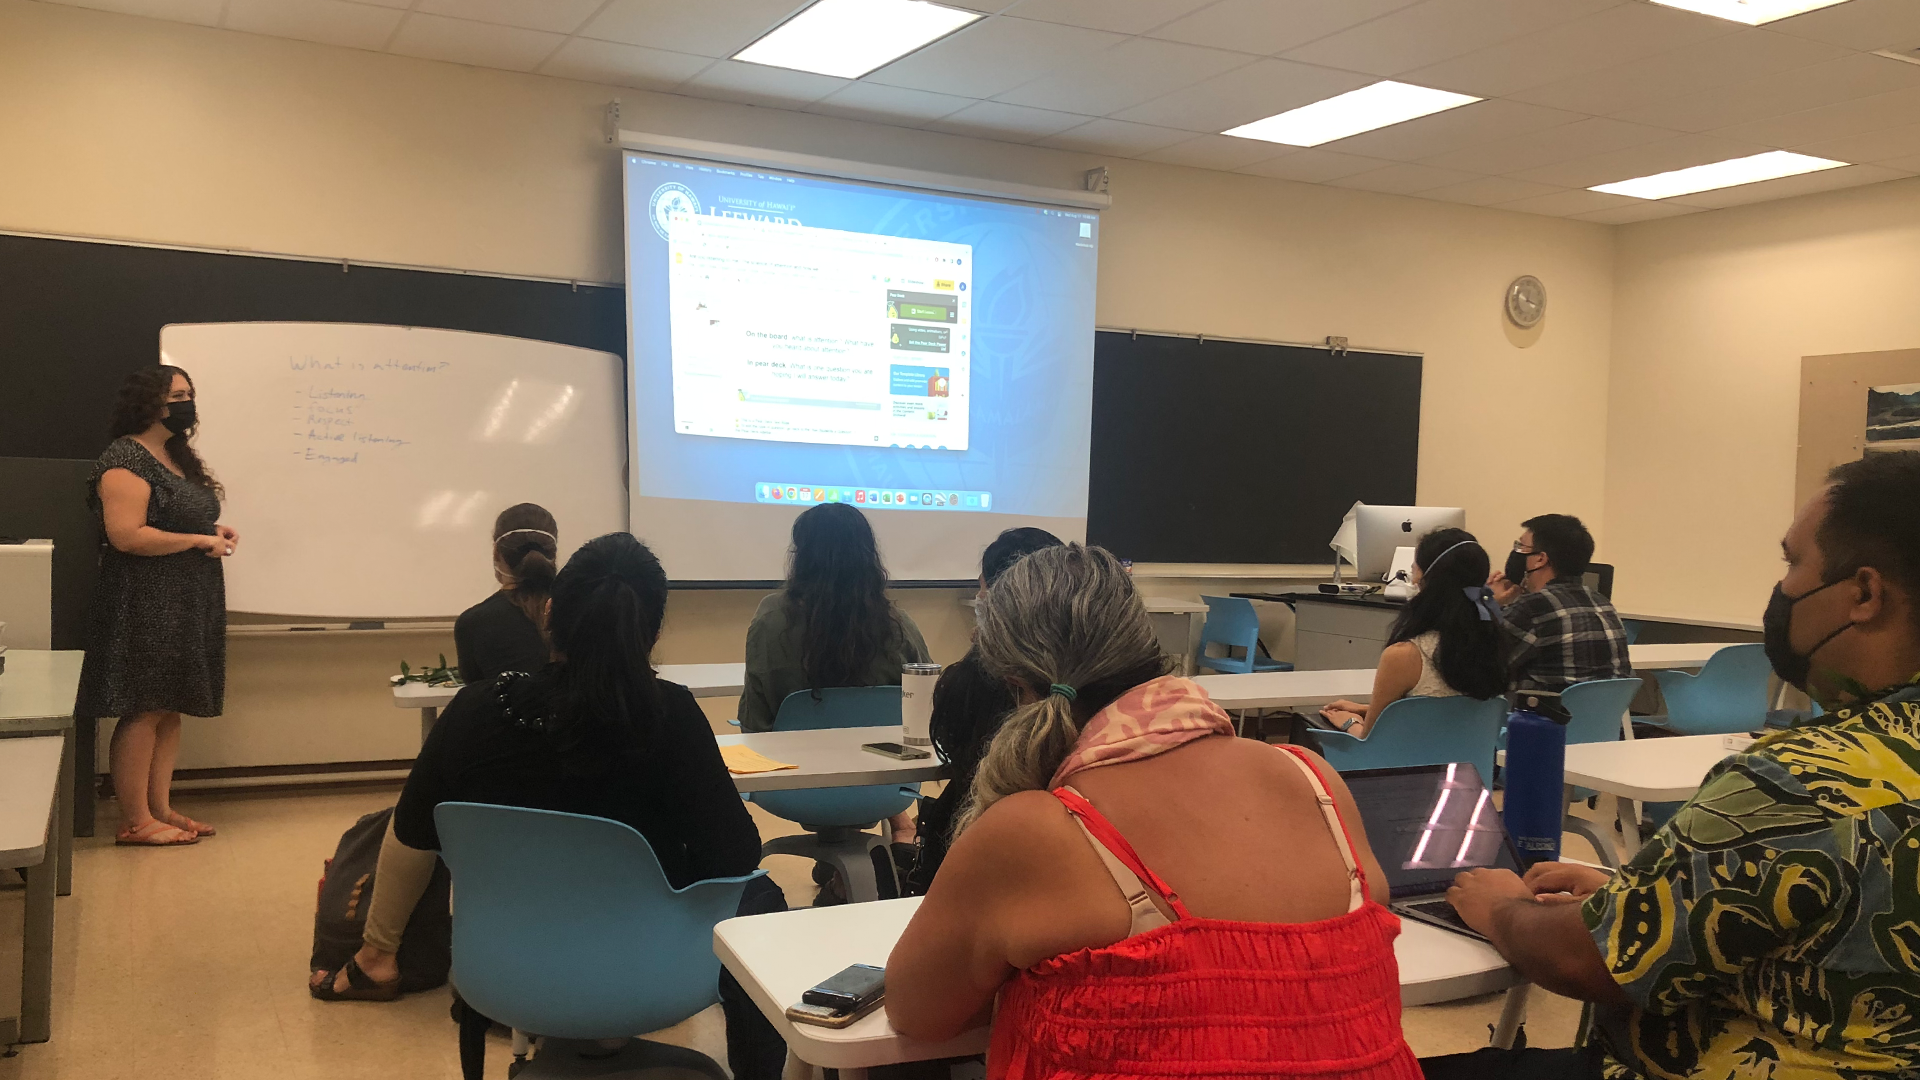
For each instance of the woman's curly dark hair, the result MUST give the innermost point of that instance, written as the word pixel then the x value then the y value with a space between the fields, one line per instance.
pixel 143 402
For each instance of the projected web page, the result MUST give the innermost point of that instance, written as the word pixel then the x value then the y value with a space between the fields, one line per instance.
pixel 797 339
pixel 790 333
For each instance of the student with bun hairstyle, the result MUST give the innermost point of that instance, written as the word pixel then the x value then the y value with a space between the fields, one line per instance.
pixel 1447 641
pixel 506 631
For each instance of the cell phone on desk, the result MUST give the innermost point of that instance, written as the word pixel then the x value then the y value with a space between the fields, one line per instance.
pixel 895 750
pixel 823 1016
pixel 856 987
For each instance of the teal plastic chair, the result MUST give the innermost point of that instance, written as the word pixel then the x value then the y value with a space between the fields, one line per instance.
pixel 1633 628
pixel 567 928
pixel 1728 697
pixel 1232 622
pixel 1420 731
pixel 836 819
pixel 1595 708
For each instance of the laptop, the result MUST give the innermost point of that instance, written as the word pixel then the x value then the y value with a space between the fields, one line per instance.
pixel 1427 823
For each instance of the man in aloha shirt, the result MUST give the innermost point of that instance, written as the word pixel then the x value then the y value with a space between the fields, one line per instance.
pixel 1772 928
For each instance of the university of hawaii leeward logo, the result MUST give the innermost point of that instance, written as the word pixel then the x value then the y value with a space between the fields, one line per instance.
pixel 669 200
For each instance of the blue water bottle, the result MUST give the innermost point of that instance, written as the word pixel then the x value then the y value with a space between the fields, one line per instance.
pixel 1535 778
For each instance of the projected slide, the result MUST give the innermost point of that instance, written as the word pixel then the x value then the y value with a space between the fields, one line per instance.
pixel 795 334
pixel 798 340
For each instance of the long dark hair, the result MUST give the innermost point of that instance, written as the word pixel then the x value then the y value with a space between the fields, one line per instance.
pixel 608 604
pixel 837 590
pixel 526 546
pixel 1468 657
pixel 143 402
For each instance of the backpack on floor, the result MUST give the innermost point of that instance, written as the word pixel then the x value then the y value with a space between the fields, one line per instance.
pixel 346 889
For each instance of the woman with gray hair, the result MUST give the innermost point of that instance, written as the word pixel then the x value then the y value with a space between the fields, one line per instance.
pixel 1273 956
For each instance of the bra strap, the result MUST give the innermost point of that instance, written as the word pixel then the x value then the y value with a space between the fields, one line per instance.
pixel 1356 877
pixel 1129 873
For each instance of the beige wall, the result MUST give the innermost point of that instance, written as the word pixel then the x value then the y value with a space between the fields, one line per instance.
pixel 116 126
pixel 1713 314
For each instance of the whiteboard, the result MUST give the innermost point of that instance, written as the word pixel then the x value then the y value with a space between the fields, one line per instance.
pixel 364 464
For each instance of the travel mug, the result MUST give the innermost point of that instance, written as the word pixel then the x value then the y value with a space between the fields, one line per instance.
pixel 916 703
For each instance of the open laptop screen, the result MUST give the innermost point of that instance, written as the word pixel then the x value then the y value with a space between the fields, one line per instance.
pixel 1428 823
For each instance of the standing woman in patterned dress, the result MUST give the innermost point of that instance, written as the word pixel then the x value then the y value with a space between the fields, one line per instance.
pixel 158 643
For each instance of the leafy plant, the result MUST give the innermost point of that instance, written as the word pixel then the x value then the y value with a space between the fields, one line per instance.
pixel 440 675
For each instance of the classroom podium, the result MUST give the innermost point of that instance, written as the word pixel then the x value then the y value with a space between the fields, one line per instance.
pixel 1334 632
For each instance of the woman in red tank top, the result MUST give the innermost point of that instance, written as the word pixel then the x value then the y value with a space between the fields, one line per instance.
pixel 1260 952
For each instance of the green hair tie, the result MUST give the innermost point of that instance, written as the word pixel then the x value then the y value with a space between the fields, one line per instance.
pixel 1063 690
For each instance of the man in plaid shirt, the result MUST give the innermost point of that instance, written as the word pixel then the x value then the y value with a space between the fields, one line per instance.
pixel 1558 631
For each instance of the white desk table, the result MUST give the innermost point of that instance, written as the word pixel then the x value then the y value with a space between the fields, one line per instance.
pixel 30 781
pixel 1647 770
pixel 829 757
pixel 36 698
pixel 777 957
pixel 1287 689
pixel 1682 655
pixel 705 680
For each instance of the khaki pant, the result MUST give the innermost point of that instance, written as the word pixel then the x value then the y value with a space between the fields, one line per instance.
pixel 399 878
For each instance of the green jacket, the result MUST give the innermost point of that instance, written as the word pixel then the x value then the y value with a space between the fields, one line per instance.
pixel 773 661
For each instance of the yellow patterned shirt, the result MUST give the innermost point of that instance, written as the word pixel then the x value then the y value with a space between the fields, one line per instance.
pixel 1772 928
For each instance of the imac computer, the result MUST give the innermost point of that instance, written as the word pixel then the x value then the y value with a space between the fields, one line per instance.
pixel 1369 535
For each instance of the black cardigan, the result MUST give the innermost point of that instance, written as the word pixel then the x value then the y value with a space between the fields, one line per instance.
pixel 968 706
pixel 676 792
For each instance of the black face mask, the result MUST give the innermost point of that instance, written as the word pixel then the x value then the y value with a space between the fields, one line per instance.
pixel 1777 628
pixel 180 417
pixel 1516 568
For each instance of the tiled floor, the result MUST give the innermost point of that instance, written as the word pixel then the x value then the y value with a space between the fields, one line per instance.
pixel 192 963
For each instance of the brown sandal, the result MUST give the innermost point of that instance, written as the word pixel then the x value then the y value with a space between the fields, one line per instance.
pixel 149 835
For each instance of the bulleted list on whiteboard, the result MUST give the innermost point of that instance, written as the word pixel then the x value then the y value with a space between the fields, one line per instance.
pixel 788 333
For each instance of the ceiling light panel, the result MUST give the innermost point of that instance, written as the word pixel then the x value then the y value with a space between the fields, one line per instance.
pixel 1771 165
pixel 1751 12
pixel 1351 113
pixel 849 38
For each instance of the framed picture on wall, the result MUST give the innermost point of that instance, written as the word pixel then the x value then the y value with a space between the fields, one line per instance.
pixel 1893 417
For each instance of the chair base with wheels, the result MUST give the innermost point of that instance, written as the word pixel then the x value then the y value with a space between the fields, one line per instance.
pixel 846 848
pixel 570 1059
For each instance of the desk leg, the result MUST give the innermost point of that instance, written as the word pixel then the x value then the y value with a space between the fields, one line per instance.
pixel 36 957
pixel 1196 626
pixel 1623 808
pixel 426 722
pixel 1512 1014
pixel 61 850
pixel 86 734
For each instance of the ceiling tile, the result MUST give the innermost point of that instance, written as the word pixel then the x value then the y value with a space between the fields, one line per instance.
pixel 1402 179
pixel 623 65
pixel 1691 69
pixel 993 56
pixel 436 37
pixel 1245 94
pixel 1454 129
pixel 758 84
pixel 1217 152
pixel 704 29
pixel 1487 190
pixel 1567 203
pixel 1646 211
pixel 1436 30
pixel 1008 123
pixel 1594 135
pixel 1679 152
pixel 1136 70
pixel 1856 117
pixel 1120 16
pixel 1115 137
pixel 331 22
pixel 1618 35
pixel 1803 88
pixel 1860 24
pixel 558 16
pixel 1909 164
pixel 203 12
pixel 1789 186
pixel 1313 166
pixel 888 104
pixel 1873 147
pixel 1271 26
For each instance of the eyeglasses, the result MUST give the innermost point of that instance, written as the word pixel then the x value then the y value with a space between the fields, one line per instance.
pixel 1524 550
